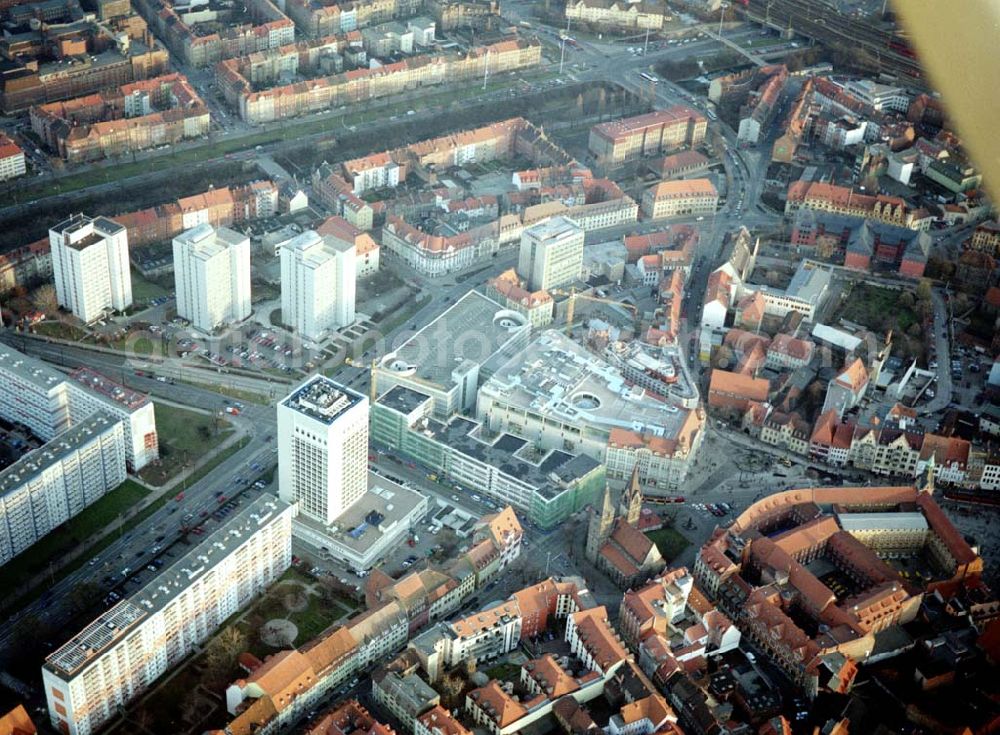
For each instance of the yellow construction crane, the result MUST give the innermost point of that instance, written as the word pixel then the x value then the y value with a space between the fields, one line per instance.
pixel 570 308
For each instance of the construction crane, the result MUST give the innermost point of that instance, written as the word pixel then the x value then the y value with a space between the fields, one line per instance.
pixel 571 307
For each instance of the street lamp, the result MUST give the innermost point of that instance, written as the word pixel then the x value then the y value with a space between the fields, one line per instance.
pixel 722 16
pixel 562 54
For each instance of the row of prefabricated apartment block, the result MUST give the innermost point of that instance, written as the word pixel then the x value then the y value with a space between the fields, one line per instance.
pixel 94 430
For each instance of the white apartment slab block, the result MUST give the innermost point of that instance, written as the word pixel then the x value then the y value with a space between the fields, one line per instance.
pixel 49 486
pixel 318 284
pixel 119 655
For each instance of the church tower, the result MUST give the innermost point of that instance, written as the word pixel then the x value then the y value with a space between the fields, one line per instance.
pixel 630 507
pixel 600 526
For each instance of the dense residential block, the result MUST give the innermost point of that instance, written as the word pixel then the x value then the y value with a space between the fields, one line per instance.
pixel 242 79
pixel 70 61
pixel 155 112
pixel 614 14
pixel 126 649
pixel 47 487
pixel 621 141
pixel 200 41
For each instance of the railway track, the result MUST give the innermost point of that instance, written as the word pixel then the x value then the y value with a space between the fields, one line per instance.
pixel 817 20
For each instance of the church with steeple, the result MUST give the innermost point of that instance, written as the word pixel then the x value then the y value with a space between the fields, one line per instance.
pixel 615 545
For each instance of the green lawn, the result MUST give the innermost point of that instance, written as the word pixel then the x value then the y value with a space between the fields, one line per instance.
pixel 670 542
pixel 59 330
pixel 185 437
pixel 74 533
pixel 143 290
pixel 316 618
pixel 215 461
pixel 504 672
pixel 878 309
pixel 106 510
pixel 319 615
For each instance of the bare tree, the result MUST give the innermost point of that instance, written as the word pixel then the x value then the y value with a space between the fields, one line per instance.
pixel 221 653
pixel 44 299
pixel 450 687
pixel 83 595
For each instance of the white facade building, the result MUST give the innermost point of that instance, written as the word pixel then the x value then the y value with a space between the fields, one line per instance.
pixel 323 448
pixel 551 254
pixel 48 403
pixel 94 392
pixel 881 97
pixel 12 162
pixel 212 276
pixel 484 636
pixel 805 294
pixel 318 283
pixel 118 656
pixel 33 394
pixel 90 266
pixel 49 486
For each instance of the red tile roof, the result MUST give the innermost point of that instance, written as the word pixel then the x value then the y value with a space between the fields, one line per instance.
pixel 499 706
pixel 17 722
pixel 726 384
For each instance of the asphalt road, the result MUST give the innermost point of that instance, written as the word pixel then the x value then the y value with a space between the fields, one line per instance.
pixel 132 549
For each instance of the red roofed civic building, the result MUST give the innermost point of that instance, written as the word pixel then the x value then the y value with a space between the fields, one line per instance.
pixel 614 143
pixel 760 572
pixel 730 393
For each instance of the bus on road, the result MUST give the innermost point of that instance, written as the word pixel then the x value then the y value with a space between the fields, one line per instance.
pixel 649 77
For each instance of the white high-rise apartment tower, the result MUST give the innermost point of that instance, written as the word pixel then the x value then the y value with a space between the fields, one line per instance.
pixel 551 254
pixel 318 281
pixel 323 448
pixel 90 266
pixel 212 276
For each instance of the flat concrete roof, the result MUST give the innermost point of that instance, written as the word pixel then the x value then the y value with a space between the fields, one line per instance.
pixel 206 241
pixel 113 624
pixel 54 451
pixel 354 528
pixel 29 369
pixel 473 330
pixel 554 376
pixel 322 399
